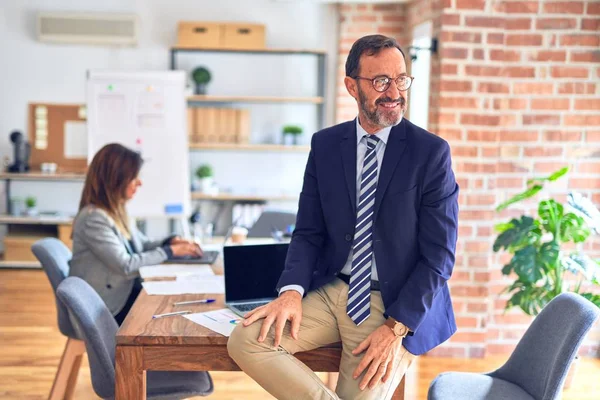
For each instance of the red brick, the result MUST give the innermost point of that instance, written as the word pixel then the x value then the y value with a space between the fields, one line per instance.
pixel 592 56
pixel 364 18
pixel 497 349
pixel 454 53
pixel 478 54
pixel 463 37
pixel 593 136
pixel 512 319
pixel 556 23
pixel 479 119
pixel 495 38
pixel 449 69
pixel 505 55
pixel 510 104
pixel 543 152
pixel 475 167
pixel 548 55
pixel 516 24
pixel 478 261
pixel 541 119
pixel 584 183
pixel 520 7
pixel 518 136
pixel 589 168
pixel 533 88
pixel 459 102
pixel 564 7
pixel 576 88
pixel 582 120
pixel 484 22
pixel 456 86
pixel 560 136
pixel 480 199
pixel 510 183
pixel 450 134
pixel 587 104
pixel 593 8
pixel 450 19
pixel 470 4
pixel 394 18
pixel 511 167
pixel 446 118
pixel 590 24
pixel 387 7
pixel 489 152
pixel 523 40
pixel 547 167
pixel 488 87
pixel 519 72
pixel 482 136
pixel 550 104
pixel 580 40
pixel 479 70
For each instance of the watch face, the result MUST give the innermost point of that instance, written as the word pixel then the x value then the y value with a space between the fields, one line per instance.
pixel 400 330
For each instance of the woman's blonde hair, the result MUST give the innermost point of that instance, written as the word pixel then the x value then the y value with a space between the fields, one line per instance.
pixel 112 169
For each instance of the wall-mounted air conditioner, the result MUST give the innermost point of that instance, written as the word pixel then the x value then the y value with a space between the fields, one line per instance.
pixel 88 28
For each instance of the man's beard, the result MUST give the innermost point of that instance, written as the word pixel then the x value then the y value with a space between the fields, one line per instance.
pixel 376 116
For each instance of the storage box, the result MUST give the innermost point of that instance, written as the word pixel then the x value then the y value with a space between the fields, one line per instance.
pixel 199 35
pixel 242 36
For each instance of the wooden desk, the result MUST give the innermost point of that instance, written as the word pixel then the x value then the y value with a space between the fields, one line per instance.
pixel 178 344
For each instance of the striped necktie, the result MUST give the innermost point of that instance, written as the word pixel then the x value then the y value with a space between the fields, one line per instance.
pixel 359 293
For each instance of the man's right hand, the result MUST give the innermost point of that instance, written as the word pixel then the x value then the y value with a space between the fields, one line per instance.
pixel 288 306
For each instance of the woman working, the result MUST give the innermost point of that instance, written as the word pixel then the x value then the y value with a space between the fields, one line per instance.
pixel 107 250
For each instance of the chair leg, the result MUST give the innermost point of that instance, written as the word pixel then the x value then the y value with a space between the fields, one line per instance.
pixel 68 369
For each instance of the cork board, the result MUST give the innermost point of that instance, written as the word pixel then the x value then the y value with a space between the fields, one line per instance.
pixel 48 126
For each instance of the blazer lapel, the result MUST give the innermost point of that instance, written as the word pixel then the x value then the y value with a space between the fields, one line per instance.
pixel 348 147
pixel 393 152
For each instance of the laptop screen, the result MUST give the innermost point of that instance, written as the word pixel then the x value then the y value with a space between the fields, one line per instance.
pixel 252 271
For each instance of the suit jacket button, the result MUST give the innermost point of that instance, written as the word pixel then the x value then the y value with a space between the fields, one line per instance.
pixel 348 237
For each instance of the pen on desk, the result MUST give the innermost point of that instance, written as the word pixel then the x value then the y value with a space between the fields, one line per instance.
pixel 171 313
pixel 195 302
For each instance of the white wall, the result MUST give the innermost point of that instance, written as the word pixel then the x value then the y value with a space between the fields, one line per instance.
pixel 31 71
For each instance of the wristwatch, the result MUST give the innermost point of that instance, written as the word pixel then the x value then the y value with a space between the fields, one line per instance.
pixel 398 328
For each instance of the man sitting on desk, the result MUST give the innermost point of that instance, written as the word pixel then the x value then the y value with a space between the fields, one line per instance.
pixel 372 250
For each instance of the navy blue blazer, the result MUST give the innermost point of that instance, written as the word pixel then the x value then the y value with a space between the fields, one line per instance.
pixel 414 230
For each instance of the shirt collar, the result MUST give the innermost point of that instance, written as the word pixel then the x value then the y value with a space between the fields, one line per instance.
pixel 382 134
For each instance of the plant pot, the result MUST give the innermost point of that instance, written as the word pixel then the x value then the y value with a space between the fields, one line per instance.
pixel 32 211
pixel 206 184
pixel 572 371
pixel 200 88
pixel 290 140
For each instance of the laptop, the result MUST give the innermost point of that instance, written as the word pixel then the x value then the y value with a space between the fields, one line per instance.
pixel 208 256
pixel 251 274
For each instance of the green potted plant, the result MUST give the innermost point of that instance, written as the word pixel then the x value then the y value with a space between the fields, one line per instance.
pixel 291 131
pixel 30 203
pixel 541 262
pixel 204 173
pixel 201 77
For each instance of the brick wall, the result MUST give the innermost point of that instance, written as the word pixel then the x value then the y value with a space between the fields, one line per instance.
pixel 515 90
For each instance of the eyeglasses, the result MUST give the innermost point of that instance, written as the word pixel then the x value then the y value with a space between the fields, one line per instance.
pixel 382 83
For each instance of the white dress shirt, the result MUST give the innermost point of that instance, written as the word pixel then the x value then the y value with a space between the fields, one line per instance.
pixel 361 151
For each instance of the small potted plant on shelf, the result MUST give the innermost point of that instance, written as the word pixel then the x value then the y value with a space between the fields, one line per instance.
pixel 30 203
pixel 201 77
pixel 291 134
pixel 543 264
pixel 204 173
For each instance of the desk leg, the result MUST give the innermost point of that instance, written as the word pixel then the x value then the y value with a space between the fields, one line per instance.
pixel 399 393
pixel 130 376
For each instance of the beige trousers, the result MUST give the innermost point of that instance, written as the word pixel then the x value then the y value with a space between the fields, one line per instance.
pixel 324 321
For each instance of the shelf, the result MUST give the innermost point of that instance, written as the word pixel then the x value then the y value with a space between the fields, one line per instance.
pixel 253 99
pixel 20 264
pixel 240 197
pixel 247 51
pixel 39 220
pixel 42 176
pixel 249 147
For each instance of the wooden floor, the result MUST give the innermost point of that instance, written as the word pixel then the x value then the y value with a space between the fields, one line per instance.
pixel 31 346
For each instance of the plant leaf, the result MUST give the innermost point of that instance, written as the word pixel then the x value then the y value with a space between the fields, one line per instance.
pixel 551 178
pixel 551 213
pixel 579 263
pixel 594 298
pixel 530 192
pixel 531 299
pixel 526 266
pixel 573 227
pixel 503 226
pixel 524 232
pixel 547 255
pixel 507 269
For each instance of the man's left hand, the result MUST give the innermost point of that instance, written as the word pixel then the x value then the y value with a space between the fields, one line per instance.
pixel 382 349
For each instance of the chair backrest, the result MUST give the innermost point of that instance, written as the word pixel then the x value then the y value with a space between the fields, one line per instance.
pixel 268 220
pixel 98 328
pixel 542 358
pixel 54 257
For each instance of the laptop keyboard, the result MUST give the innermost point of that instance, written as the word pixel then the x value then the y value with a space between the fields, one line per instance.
pixel 250 306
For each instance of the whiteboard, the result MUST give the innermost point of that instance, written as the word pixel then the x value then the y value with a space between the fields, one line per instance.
pixel 145 111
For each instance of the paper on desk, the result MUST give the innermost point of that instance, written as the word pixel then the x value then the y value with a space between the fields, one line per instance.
pixel 221 321
pixel 174 270
pixel 209 284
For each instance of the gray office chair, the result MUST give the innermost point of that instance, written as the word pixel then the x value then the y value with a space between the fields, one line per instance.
pixel 537 368
pixel 270 220
pixel 54 257
pixel 99 329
